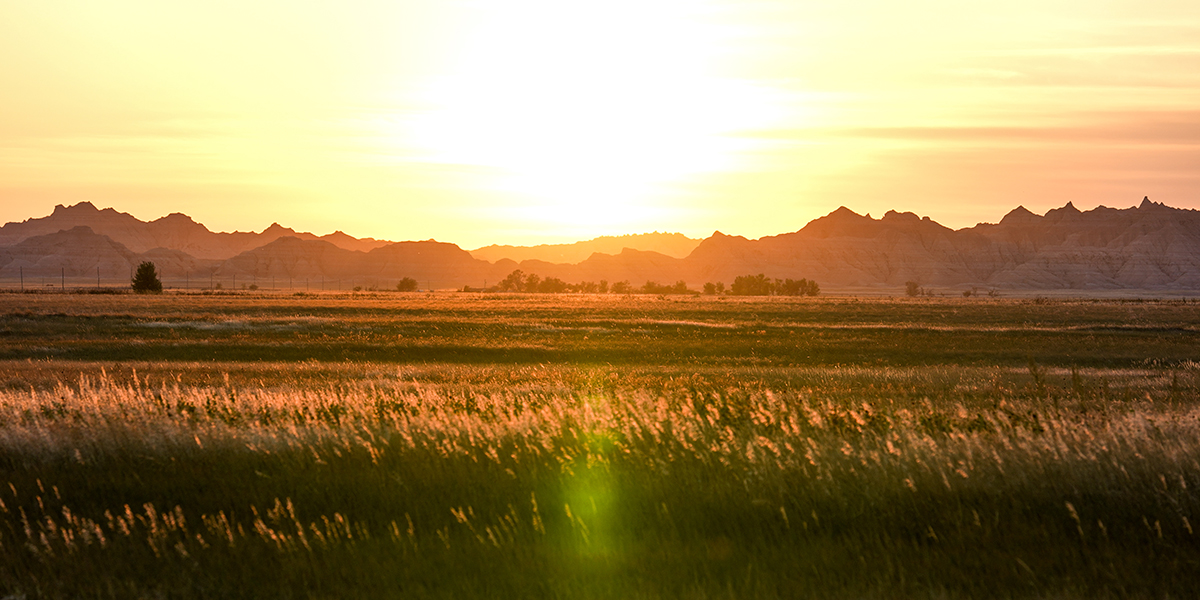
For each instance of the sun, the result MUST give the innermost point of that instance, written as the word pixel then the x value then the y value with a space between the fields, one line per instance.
pixel 586 113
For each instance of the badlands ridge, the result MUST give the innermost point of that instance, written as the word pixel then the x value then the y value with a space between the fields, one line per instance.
pixel 1150 247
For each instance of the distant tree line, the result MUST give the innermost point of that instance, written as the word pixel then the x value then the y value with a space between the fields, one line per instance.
pixel 146 280
pixel 653 287
pixel 746 285
pixel 761 285
pixel 913 288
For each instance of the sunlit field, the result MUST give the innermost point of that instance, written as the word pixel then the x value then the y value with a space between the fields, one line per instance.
pixel 460 446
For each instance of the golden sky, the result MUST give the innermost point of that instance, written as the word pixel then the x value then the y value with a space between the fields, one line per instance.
pixel 532 121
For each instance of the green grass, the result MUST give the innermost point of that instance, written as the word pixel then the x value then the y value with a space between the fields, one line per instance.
pixel 635 330
pixel 655 449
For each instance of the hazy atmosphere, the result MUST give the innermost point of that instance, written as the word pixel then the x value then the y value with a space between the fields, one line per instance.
pixel 583 300
pixel 528 121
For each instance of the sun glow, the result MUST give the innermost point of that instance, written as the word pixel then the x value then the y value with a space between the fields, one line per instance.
pixel 542 121
pixel 587 112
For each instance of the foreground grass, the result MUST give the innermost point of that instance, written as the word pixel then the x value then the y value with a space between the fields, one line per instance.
pixel 564 481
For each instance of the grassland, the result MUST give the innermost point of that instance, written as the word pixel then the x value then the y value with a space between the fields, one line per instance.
pixel 387 445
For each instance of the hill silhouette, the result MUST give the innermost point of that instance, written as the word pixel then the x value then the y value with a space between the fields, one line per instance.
pixel 1148 247
pixel 175 231
pixel 671 244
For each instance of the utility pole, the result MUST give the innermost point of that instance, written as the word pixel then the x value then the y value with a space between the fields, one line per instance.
pixel 63 281
pixel 22 269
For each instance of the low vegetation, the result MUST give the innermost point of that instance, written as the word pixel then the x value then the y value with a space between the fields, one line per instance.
pixel 761 285
pixel 746 285
pixel 406 284
pixel 1059 469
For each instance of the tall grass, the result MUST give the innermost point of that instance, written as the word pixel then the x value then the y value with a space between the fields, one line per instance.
pixel 495 481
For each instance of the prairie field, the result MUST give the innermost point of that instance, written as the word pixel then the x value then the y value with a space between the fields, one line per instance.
pixel 387 445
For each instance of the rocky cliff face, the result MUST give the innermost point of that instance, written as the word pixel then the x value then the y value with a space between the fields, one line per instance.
pixel 1151 246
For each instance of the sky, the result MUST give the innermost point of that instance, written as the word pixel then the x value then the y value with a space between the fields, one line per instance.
pixel 542 121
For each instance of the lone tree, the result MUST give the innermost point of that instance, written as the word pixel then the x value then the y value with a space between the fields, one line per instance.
pixel 408 284
pixel 146 279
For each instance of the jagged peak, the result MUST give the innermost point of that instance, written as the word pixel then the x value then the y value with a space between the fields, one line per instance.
pixel 1020 213
pixel 843 212
pixel 841 221
pixel 841 215
pixel 179 220
pixel 719 237
pixel 1148 204
pixel 1068 210
pixel 892 215
pixel 84 206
